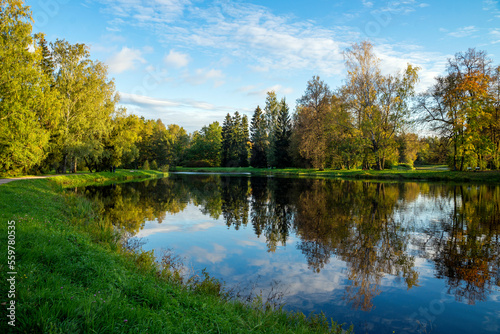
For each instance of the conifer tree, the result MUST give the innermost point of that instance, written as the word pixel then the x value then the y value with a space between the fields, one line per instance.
pixel 244 140
pixel 227 134
pixel 271 115
pixel 282 133
pixel 259 137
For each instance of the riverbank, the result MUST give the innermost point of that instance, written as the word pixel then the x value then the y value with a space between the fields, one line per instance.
pixel 420 174
pixel 70 274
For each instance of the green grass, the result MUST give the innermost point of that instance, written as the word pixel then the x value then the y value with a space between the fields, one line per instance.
pixel 73 276
pixel 121 175
pixel 426 173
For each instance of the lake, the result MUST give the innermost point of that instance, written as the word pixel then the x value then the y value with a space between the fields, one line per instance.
pixel 403 257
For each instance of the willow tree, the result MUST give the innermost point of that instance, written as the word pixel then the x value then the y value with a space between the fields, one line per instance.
pixel 377 102
pixel 26 101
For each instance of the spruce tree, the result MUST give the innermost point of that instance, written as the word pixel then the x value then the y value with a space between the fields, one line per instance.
pixel 271 115
pixel 244 142
pixel 258 136
pixel 227 129
pixel 282 135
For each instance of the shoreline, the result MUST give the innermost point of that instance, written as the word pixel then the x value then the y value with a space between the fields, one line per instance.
pixel 423 175
pixel 73 275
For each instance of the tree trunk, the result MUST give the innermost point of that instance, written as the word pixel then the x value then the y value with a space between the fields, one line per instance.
pixel 73 165
pixel 65 161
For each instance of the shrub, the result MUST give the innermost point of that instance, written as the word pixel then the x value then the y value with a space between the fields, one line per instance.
pixel 154 165
pixel 197 163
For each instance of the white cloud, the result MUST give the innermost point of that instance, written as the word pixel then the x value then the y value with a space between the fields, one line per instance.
pixel 495 35
pixel 492 6
pixel 367 4
pixel 145 101
pixel 463 32
pixel 176 59
pixel 204 255
pixel 201 76
pixel 269 41
pixel 125 60
pixel 147 11
pixel 279 89
pixel 396 57
pixel 189 113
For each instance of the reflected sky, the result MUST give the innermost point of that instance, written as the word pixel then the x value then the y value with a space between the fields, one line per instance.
pixel 403 257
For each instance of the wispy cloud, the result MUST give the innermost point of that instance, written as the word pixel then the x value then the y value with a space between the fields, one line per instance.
pixel 157 103
pixel 202 76
pixel 492 6
pixel 279 89
pixel 147 10
pixel 367 4
pixel 495 35
pixel 464 32
pixel 403 6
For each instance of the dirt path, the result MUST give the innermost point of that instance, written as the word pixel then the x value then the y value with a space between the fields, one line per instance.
pixel 3 181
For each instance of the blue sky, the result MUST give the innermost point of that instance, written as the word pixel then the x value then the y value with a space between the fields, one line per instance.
pixel 190 62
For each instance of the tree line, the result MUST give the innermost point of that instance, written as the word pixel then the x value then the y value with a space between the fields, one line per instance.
pixel 59 111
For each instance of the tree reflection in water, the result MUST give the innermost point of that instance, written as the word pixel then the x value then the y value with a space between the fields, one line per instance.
pixel 364 224
pixel 464 244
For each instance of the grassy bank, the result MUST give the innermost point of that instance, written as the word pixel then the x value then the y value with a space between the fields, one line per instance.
pixel 73 275
pixel 120 175
pixel 419 174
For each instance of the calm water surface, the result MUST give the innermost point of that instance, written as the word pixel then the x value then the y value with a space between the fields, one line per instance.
pixel 402 257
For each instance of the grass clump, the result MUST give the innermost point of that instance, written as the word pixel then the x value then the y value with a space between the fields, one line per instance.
pixel 74 276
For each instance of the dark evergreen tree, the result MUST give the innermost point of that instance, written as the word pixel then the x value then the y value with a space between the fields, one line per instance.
pixel 257 129
pixel 282 134
pixel 231 134
pixel 244 140
pixel 227 127
pixel 46 61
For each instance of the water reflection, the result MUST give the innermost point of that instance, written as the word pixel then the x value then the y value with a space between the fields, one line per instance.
pixel 376 229
pixel 464 245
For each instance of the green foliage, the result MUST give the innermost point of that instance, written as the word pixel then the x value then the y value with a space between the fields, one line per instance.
pixel 154 165
pixel 259 139
pixel 235 141
pixel 312 121
pixel 271 111
pixel 282 133
pixel 27 103
pixel 145 166
pixel 198 163
pixel 206 145
pixel 88 103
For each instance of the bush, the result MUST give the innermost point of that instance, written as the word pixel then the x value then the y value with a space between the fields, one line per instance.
pixel 154 165
pixel 197 163
pixel 164 168
pixel 145 166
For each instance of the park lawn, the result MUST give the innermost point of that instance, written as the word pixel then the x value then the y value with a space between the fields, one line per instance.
pixel 74 276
